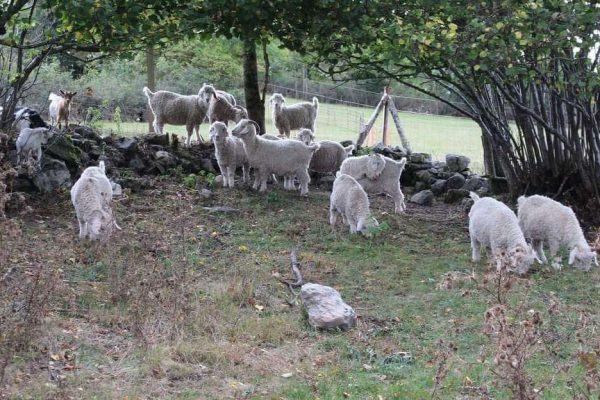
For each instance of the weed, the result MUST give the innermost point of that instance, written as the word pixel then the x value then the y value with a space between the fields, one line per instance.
pixel 273 197
pixel 190 181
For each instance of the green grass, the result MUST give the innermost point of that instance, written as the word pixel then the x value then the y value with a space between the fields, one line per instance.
pixel 185 304
pixel 437 135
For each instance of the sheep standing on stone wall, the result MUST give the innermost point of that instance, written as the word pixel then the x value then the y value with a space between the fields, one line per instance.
pixel 330 155
pixel 296 116
pixel 230 154
pixel 494 226
pixel 91 196
pixel 280 157
pixel 176 109
pixel 60 108
pixel 31 140
pixel 377 174
pixel 547 222
pixel 349 200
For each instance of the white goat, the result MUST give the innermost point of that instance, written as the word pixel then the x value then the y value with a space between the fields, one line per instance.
pixel 220 110
pixel 350 200
pixel 280 157
pixel 230 154
pixel 545 221
pixel 296 116
pixel 176 109
pixel 377 174
pixel 32 139
pixel 91 196
pixel 494 226
pixel 330 155
pixel 60 107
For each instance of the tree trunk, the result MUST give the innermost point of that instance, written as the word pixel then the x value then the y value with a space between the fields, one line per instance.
pixel 254 104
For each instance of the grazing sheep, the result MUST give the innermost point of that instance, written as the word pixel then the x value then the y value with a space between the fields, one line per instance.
pixel 230 154
pixel 296 116
pixel 378 174
pixel 494 226
pixel 207 92
pixel 280 157
pixel 60 107
pixel 350 200
pixel 330 155
pixel 219 109
pixel 91 196
pixel 545 221
pixel 176 109
pixel 32 139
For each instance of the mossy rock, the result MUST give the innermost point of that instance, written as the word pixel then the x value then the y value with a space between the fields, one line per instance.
pixel 62 148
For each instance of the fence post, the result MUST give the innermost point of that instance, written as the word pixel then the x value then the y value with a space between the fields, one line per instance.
pixel 386 136
pixel 151 67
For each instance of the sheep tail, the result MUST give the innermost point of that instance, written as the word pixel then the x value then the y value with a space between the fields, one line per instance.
pixel 147 92
pixel 315 102
pixel 102 167
pixel 474 196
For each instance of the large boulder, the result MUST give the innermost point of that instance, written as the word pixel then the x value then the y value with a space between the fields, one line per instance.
pixel 474 183
pixel 454 195
pixel 420 158
pixel 61 147
pixel 438 187
pixel 126 144
pixel 325 307
pixel 53 175
pixel 456 163
pixel 424 198
pixel 165 158
pixel 456 181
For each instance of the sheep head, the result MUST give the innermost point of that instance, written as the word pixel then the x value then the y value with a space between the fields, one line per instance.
pixel 521 257
pixel 240 113
pixel 100 225
pixel 218 132
pixel 206 92
pixel 367 225
pixel 277 100
pixel 375 166
pixel 306 136
pixel 582 257
pixel 245 128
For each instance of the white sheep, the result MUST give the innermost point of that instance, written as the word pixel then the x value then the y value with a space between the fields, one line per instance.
pixel 296 116
pixel 60 107
pixel 494 226
pixel 176 109
pixel 280 157
pixel 219 109
pixel 330 155
pixel 91 196
pixel 545 221
pixel 32 139
pixel 377 174
pixel 350 200
pixel 230 154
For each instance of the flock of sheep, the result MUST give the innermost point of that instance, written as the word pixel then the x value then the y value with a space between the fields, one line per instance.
pixel 518 241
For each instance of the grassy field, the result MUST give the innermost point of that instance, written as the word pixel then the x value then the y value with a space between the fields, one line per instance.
pixel 185 304
pixel 433 134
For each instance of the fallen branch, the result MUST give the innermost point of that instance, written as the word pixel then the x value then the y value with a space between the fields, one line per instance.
pixel 298 280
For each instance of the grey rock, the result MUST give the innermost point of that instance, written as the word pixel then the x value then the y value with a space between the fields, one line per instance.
pixel 325 307
pixel 421 158
pixel 454 195
pixel 456 181
pixel 165 158
pixel 116 189
pixel 154 138
pixel 418 166
pixel 438 187
pixel 444 175
pixel 207 165
pixel 137 164
pixel 456 163
pixel 421 186
pixel 126 144
pixel 423 175
pixel 87 133
pixel 53 175
pixel 466 204
pixel 205 193
pixel 424 198
pixel 474 183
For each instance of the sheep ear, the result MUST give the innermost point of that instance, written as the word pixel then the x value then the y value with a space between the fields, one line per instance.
pixel 572 255
pixel 74 93
pixel 61 92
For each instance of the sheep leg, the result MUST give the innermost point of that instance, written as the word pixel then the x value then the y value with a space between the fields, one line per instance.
pixel 39 156
pixel 556 260
pixel 538 246
pixel 197 130
pixel 158 126
pixel 352 223
pixel 231 173
pixel 246 173
pixel 256 179
pixel 332 215
pixel 263 181
pixel 476 250
pixel 82 229
pixel 399 204
pixel 190 131
pixel 304 179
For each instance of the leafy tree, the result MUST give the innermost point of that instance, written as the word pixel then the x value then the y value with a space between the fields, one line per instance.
pixel 533 62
